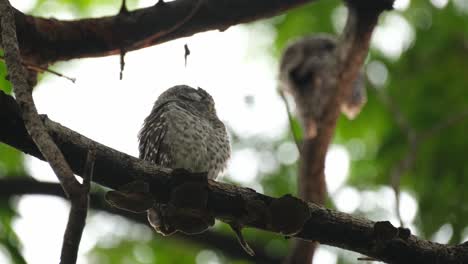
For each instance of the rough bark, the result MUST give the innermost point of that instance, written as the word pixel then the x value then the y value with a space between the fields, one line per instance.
pixel 24 185
pixel 335 78
pixel 379 240
pixel 48 40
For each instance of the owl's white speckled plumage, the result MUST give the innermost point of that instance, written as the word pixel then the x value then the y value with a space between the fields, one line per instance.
pixel 183 131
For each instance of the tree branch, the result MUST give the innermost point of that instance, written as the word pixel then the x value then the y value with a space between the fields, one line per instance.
pixel 77 193
pixel 49 40
pixel 334 77
pixel 285 215
pixel 28 109
pixel 24 185
pixel 77 216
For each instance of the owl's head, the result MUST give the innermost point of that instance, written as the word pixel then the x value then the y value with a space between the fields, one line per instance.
pixel 189 98
pixel 303 58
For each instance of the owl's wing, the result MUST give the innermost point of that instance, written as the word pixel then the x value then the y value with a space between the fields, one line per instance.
pixel 151 137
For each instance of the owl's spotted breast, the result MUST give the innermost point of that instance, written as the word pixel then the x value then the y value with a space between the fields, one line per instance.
pixel 183 131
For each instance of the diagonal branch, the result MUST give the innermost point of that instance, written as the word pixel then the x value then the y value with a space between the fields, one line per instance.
pixel 77 216
pixel 227 202
pixel 49 40
pixel 33 123
pixel 77 193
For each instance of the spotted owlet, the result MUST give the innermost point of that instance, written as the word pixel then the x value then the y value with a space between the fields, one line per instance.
pixel 183 132
pixel 302 69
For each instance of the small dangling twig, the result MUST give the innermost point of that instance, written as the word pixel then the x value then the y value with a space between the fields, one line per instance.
pixel 122 62
pixel 297 140
pixel 238 230
pixel 187 53
pixel 123 8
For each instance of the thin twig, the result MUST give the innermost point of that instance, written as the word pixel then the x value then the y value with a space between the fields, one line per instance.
pixel 122 62
pixel 394 109
pixel 186 54
pixel 447 122
pixel 123 8
pixel 238 230
pixel 415 139
pixel 78 213
pixel 297 140
pixel 406 162
pixel 37 68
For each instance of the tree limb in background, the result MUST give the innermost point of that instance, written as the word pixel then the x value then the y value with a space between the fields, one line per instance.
pixel 50 40
pixel 287 215
pixel 320 73
pixel 24 185
pixel 415 140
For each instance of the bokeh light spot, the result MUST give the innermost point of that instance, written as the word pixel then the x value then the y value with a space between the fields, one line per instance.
pixel 336 167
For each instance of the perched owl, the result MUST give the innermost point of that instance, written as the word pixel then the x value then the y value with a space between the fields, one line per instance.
pixel 183 132
pixel 301 72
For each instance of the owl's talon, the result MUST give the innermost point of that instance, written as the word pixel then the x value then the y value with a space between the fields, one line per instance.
pixel 157 219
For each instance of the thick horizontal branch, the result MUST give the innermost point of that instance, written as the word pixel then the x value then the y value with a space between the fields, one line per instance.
pixel 49 40
pixel 232 203
pixel 228 245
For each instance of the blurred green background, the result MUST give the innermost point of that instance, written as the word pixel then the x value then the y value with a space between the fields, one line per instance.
pixel 417 80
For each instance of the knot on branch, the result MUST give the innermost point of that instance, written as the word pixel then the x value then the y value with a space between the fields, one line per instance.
pixel 386 231
pixel 288 214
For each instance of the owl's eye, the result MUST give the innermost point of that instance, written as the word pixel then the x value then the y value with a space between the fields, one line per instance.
pixel 202 93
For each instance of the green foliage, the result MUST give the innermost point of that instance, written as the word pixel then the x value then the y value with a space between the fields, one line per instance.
pixel 80 8
pixel 311 18
pixel 8 238
pixel 4 84
pixel 11 161
pixel 428 85
pixel 154 251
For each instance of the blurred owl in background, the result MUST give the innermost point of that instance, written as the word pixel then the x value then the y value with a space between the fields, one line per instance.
pixel 301 74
